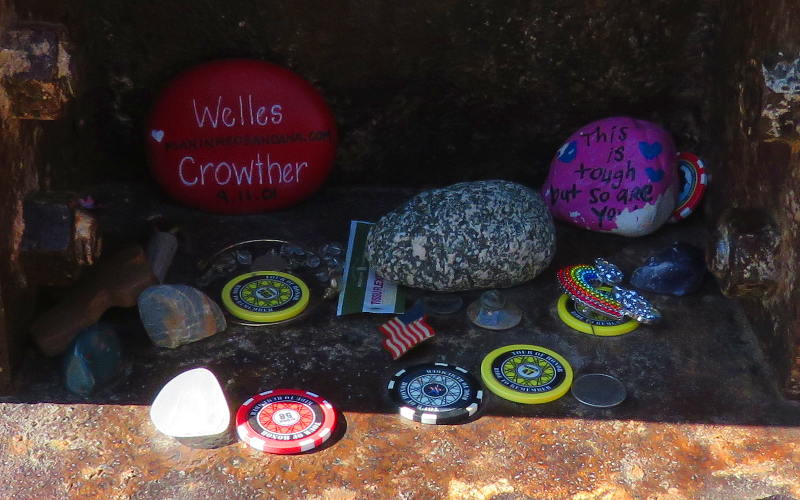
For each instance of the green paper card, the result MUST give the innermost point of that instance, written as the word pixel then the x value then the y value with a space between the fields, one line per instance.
pixel 362 289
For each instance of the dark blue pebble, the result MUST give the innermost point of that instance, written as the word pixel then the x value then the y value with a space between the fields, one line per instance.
pixel 676 270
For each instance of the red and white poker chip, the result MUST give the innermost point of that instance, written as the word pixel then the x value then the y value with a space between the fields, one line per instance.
pixel 285 421
pixel 694 179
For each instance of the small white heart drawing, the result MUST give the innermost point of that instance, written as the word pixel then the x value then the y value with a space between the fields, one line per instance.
pixel 158 135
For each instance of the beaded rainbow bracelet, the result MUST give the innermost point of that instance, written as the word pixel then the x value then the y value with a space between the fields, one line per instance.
pixel 582 283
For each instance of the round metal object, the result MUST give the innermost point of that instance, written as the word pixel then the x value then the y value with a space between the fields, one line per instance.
pixel 584 319
pixel 598 390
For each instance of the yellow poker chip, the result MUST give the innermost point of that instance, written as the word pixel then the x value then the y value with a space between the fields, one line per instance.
pixel 265 296
pixel 585 320
pixel 526 374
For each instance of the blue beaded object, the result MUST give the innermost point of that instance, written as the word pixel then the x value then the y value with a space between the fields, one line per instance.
pixel 607 272
pixel 635 306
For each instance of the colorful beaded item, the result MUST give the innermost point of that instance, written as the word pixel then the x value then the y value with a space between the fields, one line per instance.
pixel 584 285
pixel 581 284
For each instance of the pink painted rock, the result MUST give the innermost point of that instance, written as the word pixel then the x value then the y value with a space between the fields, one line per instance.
pixel 615 175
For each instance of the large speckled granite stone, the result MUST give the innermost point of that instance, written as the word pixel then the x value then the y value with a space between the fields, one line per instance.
pixel 485 234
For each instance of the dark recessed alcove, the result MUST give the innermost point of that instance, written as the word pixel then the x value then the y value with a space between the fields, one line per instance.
pixel 425 95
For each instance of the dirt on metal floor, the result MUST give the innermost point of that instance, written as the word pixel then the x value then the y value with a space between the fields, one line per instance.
pixel 703 419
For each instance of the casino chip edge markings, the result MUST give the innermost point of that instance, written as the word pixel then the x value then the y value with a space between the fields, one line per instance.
pixel 689 162
pixel 540 368
pixel 249 313
pixel 295 406
pixel 442 379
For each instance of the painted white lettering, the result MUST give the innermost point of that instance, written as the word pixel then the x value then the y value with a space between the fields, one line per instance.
pixel 287 174
pixel 218 169
pixel 260 114
pixel 270 166
pixel 192 173
pixel 259 164
pixel 205 115
pixel 200 119
pixel 243 172
pixel 180 171
pixel 297 168
pixel 277 115
pixel 203 169
pixel 226 114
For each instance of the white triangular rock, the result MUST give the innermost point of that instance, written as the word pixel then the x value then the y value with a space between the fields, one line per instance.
pixel 191 405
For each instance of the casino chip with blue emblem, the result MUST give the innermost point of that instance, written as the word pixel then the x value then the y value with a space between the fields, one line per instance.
pixel 436 393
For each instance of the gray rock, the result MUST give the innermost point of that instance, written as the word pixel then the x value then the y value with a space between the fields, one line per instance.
pixel 174 315
pixel 471 235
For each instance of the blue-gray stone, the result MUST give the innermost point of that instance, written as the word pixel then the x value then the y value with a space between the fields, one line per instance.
pixel 471 235
pixel 174 315
pixel 676 270
pixel 93 359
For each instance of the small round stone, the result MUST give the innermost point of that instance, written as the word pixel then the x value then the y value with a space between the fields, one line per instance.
pixel 312 261
pixel 226 263
pixel 332 261
pixel 331 249
pixel 291 250
pixel 244 257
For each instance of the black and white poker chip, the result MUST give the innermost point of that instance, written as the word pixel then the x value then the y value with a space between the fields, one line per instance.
pixel 436 393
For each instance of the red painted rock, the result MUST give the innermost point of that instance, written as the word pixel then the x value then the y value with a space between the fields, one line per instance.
pixel 240 136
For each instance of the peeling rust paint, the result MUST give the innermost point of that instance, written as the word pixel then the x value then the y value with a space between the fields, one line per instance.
pixel 35 70
pixel 78 451
pixel 743 253
pixel 757 165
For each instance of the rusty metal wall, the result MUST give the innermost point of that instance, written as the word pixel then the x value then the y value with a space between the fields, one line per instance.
pixel 18 176
pixel 755 191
